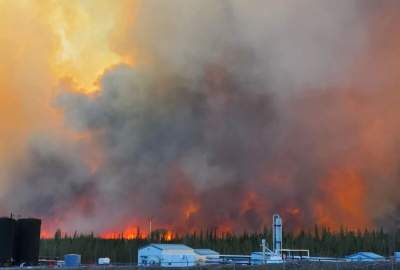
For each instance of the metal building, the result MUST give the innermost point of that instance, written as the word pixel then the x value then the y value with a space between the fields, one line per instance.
pixel 207 256
pixel 365 257
pixel 167 255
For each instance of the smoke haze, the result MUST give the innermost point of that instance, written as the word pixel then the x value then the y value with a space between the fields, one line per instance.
pixel 224 113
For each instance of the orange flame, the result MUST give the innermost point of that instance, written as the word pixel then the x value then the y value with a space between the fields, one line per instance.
pixel 342 201
pixel 129 233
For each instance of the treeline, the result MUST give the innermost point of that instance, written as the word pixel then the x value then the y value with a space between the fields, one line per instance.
pixel 320 241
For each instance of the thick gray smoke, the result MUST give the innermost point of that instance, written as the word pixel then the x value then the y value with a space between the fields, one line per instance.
pixel 234 111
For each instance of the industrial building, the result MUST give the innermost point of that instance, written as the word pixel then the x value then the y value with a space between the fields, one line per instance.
pixel 257 258
pixel 267 256
pixel 167 255
pixel 365 257
pixel 207 256
pixel 235 259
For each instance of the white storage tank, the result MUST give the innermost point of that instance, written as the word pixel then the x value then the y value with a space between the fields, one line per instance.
pixel 397 256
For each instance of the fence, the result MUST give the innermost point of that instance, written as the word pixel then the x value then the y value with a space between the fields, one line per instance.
pixel 338 264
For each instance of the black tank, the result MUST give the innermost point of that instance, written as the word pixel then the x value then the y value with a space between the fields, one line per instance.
pixel 28 241
pixel 7 240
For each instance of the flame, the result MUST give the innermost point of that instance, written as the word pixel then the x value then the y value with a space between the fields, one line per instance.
pixel 169 235
pixel 74 42
pixel 45 234
pixel 342 201
pixel 132 232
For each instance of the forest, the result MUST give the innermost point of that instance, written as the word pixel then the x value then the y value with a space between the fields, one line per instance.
pixel 321 241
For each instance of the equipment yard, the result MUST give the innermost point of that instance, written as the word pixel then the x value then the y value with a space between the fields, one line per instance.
pixel 304 265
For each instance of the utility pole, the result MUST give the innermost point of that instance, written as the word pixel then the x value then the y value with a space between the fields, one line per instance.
pixel 150 229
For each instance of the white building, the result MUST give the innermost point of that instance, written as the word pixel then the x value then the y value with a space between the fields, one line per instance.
pixel 167 255
pixel 207 256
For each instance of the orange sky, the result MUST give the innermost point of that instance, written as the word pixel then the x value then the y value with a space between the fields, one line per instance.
pixel 43 43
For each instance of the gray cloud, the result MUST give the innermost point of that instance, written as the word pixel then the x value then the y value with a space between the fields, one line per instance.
pixel 239 110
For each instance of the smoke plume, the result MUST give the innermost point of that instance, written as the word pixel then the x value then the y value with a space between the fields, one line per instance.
pixel 231 111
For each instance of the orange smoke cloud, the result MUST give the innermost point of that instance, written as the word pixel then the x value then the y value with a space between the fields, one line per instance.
pixel 342 201
pixel 311 155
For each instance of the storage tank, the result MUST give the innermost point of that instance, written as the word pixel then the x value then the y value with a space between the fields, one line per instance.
pixel 104 261
pixel 7 240
pixel 72 260
pixel 277 233
pixel 28 241
pixel 397 256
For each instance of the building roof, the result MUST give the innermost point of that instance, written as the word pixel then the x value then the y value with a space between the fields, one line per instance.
pixel 205 251
pixel 366 255
pixel 170 246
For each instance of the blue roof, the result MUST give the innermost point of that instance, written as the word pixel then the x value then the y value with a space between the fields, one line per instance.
pixel 171 246
pixel 366 255
pixel 205 251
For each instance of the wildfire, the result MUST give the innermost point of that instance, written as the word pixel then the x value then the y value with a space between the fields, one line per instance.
pixel 45 235
pixel 190 210
pixel 129 233
pixel 293 211
pixel 168 236
pixel 342 201
pixel 345 136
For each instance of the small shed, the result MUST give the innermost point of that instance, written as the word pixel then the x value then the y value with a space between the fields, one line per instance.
pixel 365 257
pixel 167 255
pixel 207 256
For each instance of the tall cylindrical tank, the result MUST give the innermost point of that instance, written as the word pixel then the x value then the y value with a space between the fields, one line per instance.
pixel 7 240
pixel 277 233
pixel 28 241
pixel 72 260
